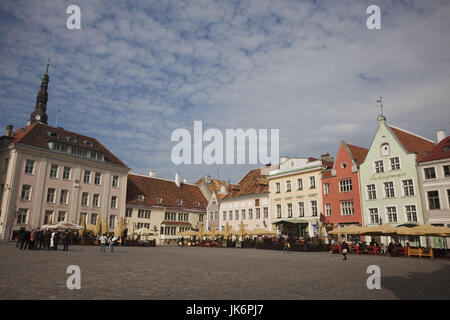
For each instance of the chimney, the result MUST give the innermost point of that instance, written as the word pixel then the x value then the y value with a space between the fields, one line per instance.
pixel 9 130
pixel 284 159
pixel 185 180
pixel 208 179
pixel 440 135
pixel 152 174
pixel 177 179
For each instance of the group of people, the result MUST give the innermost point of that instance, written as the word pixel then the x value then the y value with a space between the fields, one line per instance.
pixel 104 240
pixel 37 239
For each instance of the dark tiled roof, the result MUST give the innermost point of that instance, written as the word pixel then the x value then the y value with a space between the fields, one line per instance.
pixel 37 135
pixel 153 188
pixel 441 151
pixel 413 143
pixel 253 183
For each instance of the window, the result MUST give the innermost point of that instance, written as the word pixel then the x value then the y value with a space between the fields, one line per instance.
pixel 256 202
pixel 278 187
pixel 22 216
pixel 266 212
pixel 299 184
pixel 66 173
pixel 258 213
pixel 145 214
pixel 347 208
pixel 236 214
pixel 371 192
pixel 379 166
pixel 172 216
pixel 54 171
pixel 279 211
pixel 159 200
pixel 96 200
pixel 243 214
pixel 429 173
pixel 48 218
pixel 129 213
pixel 29 167
pixel 94 218
pixel 180 202
pixel 62 216
pixel 345 185
pixel 211 216
pixel 411 213
pixel 343 165
pixel 395 163
pixel 87 176
pixel 112 221
pixel 446 170
pixel 224 216
pixel 408 187
pixel 98 178
pixel 373 214
pixel 5 165
pixel 115 181
pixel 288 186
pixel 314 208
pixel 289 210
pixel 186 217
pixel 84 199
pixel 312 182
pixel 26 192
pixel 328 210
pixel 64 197
pixel 433 200
pixel 200 218
pixel 301 209
pixel 389 189
pixel 216 215
pixel 113 202
pixel 385 150
pixel 51 192
pixel 326 188
pixel 250 213
pixel 391 214
pixel 230 215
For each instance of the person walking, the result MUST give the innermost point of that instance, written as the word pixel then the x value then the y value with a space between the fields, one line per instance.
pixel 102 242
pixel 47 240
pixel 112 243
pixel 27 239
pixel 344 250
pixel 66 240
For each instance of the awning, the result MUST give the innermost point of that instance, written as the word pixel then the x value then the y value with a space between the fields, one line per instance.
pixel 294 221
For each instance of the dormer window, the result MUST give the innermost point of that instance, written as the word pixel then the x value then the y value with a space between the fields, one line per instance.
pixel 53 134
pixel 385 149
pixel 180 202
pixel 88 143
pixel 159 200
pixel 198 204
pixel 71 139
pixel 141 197
pixel 100 156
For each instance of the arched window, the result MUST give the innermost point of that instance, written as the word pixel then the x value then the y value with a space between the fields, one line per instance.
pixel 385 149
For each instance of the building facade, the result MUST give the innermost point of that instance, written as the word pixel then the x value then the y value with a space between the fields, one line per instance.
pixel 296 196
pixel 50 174
pixel 214 190
pixel 165 207
pixel 389 181
pixel 340 187
pixel 248 201
pixel 434 178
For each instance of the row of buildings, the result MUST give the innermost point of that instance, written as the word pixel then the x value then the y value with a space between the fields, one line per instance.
pixel 49 174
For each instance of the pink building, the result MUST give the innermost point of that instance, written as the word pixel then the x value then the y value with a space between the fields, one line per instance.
pixel 49 174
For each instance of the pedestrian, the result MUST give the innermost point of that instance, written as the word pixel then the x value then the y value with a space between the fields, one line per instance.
pixel 102 242
pixel 17 240
pixel 47 240
pixel 112 242
pixel 66 240
pixel 27 239
pixel 54 241
pixel 182 241
pixel 344 250
pixel 21 235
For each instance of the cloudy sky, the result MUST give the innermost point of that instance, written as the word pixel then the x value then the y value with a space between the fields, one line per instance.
pixel 137 70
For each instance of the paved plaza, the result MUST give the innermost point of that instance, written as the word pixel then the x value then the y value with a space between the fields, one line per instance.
pixel 215 273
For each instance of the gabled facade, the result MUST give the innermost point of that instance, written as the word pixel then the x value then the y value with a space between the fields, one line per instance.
pixel 165 207
pixel 434 177
pixel 389 182
pixel 50 174
pixel 248 202
pixel 341 187
pixel 213 190
pixel 296 195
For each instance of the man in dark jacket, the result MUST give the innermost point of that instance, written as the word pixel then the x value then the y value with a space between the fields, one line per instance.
pixel 26 241
pixel 21 236
pixel 344 250
pixel 66 239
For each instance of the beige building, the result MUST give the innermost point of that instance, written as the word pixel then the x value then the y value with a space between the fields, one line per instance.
pixel 165 207
pixel 296 195
pixel 50 174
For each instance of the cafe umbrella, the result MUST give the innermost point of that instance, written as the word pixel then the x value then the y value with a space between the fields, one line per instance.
pixel 98 226
pixel 105 225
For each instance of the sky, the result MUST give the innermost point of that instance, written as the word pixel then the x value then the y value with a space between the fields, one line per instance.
pixel 138 70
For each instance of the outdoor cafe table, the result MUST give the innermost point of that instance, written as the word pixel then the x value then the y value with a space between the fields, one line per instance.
pixel 402 251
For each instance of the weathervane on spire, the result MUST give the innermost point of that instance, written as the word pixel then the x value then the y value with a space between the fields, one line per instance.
pixel 48 64
pixel 380 101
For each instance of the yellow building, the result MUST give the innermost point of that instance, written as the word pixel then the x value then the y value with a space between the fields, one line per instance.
pixel 296 195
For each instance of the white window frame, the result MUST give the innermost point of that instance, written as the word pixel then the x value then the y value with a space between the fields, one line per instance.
pixel 85 203
pixel 277 187
pixel 29 192
pixel 312 185
pixel 64 171
pixel 288 186
pixel 300 184
pixel 387 214
pixel 301 213
pixel 84 176
pixel 114 204
pixel 345 208
pixel 27 166
pixel 435 173
pixel 65 216
pixel 343 186
pixel 67 197
pixel 289 210
pixel 375 166
pixel 311 208
pixel 99 178
pixel 326 188
pixel 370 215
pixel 406 214
pixel 51 171
pixel 399 163
pixel 21 210
pixel 403 188
pixel 115 185
pixel 279 213
pixel 384 189
pixel 428 201
pixel 367 191
pixel 98 200
pixel 328 210
pixel 54 195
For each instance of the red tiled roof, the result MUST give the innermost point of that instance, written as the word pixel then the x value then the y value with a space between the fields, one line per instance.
pixel 441 151
pixel 37 135
pixel 413 143
pixel 153 188
pixel 214 186
pixel 358 153
pixel 253 183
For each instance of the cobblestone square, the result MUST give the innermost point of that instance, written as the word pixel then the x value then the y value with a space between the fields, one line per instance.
pixel 215 273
